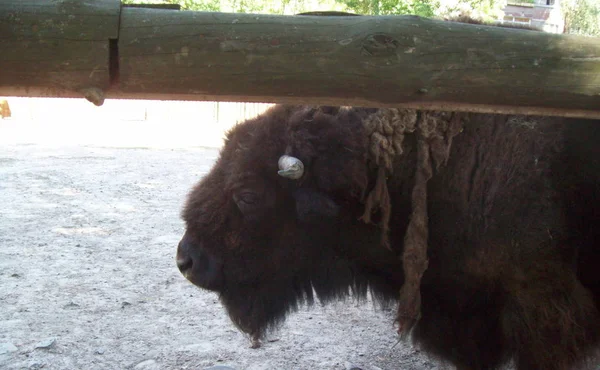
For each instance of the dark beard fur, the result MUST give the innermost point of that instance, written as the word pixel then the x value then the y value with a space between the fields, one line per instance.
pixel 257 310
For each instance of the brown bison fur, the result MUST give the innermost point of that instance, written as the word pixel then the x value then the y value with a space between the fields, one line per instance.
pixel 512 239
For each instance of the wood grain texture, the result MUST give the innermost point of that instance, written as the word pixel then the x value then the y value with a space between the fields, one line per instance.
pixel 375 61
pixel 61 47
pixel 56 45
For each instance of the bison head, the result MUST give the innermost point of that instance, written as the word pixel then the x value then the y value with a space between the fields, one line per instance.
pixel 277 218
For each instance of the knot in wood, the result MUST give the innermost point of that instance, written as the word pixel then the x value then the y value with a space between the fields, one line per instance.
pixel 380 44
pixel 94 95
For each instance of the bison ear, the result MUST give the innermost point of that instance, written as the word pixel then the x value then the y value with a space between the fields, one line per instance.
pixel 313 206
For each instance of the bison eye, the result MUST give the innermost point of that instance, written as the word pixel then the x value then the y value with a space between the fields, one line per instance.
pixel 247 201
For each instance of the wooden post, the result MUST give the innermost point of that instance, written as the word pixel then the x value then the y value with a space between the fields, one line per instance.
pixel 400 61
pixel 56 48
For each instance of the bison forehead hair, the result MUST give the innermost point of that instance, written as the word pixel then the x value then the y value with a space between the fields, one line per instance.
pixel 330 199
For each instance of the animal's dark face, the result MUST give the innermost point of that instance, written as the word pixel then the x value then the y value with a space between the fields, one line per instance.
pixel 263 233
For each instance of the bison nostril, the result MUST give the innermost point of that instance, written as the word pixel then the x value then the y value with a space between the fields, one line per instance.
pixel 184 264
pixel 197 265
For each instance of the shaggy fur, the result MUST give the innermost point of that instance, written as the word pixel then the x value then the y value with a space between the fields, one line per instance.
pixel 513 258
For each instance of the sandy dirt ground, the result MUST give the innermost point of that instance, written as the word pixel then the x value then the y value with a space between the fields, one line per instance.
pixel 88 281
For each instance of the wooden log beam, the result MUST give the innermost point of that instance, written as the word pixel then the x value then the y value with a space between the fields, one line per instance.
pixel 57 48
pixel 368 61
pixel 402 61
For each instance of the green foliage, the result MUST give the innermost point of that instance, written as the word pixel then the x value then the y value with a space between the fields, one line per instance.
pixel 249 6
pixel 200 5
pixel 582 17
pixel 521 2
pixel 424 8
pixel 484 9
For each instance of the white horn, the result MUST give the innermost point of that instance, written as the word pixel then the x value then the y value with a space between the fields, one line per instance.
pixel 290 167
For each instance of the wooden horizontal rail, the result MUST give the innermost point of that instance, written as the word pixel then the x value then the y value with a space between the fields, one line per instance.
pixel 99 50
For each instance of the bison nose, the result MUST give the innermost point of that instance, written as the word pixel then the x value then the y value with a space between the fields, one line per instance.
pixel 198 266
pixel 184 264
pixel 184 259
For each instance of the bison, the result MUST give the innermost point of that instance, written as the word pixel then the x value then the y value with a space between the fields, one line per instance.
pixel 326 201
